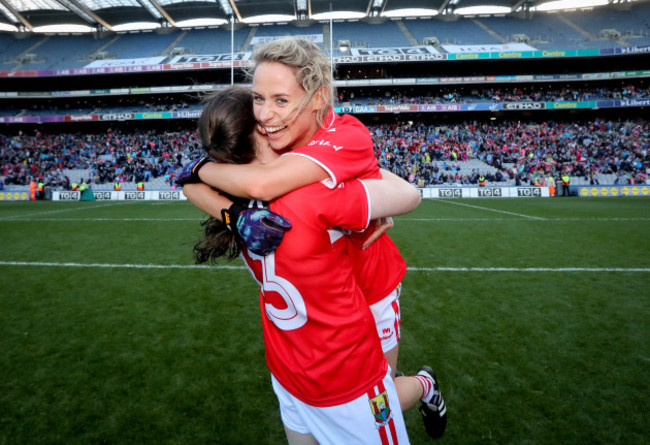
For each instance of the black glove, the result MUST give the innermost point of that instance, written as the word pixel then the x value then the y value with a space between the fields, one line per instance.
pixel 190 172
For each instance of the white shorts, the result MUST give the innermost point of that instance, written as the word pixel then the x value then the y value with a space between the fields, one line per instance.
pixel 387 319
pixel 374 418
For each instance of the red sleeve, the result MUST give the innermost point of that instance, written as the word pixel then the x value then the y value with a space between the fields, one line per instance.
pixel 350 206
pixel 347 206
pixel 343 149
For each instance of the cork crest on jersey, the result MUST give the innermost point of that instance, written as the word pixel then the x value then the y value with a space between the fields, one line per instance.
pixel 381 409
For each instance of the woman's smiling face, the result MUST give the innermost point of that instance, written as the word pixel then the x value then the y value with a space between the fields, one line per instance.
pixel 287 117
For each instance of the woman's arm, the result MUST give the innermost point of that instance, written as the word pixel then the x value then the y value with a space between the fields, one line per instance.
pixel 263 181
pixel 391 196
pixel 206 198
pixel 382 225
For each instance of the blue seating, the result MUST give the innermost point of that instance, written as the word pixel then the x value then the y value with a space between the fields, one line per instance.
pixel 507 27
pixel 545 32
pixel 460 32
pixel 138 45
pixel 212 41
pixel 11 47
pixel 58 52
pixel 360 34
pixel 597 20
pixel 288 30
pixel 638 41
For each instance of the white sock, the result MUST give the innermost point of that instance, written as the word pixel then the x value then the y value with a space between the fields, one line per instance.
pixel 428 391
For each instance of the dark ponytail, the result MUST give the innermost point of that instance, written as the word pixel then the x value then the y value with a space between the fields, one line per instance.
pixel 226 128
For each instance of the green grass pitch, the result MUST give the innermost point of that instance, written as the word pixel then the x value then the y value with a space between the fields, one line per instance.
pixel 535 314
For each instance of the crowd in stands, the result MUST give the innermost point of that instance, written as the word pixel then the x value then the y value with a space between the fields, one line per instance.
pixel 427 155
pixel 347 97
pixel 513 94
pixel 97 105
pixel 112 156
pixel 526 153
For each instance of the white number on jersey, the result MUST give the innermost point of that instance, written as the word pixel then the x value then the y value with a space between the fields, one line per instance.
pixel 294 315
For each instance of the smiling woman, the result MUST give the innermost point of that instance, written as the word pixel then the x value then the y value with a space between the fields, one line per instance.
pixel 292 103
pixel 282 116
pixel 292 92
pixel 293 98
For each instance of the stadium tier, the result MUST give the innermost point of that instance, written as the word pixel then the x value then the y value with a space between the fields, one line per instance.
pixel 515 99
pixel 505 153
pixel 596 29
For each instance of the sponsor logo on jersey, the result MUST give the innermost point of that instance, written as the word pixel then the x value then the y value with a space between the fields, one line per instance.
pixel 386 333
pixel 326 143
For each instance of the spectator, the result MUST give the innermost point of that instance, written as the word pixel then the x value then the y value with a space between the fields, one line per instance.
pixel 423 153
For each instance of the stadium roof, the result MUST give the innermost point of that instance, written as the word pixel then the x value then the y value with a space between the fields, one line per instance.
pixel 116 15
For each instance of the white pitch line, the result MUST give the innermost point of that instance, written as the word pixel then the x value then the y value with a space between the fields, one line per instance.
pixel 412 269
pixel 397 219
pixel 530 269
pixel 116 266
pixel 106 219
pixel 400 219
pixel 491 210
pixel 22 217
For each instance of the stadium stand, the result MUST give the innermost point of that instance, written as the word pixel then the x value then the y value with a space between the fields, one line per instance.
pixel 61 52
pixel 510 152
pixel 211 41
pixel 139 45
pixel 463 31
pixel 428 149
pixel 366 35
pixel 545 31
pixel 556 33
pixel 598 21
pixel 262 31
pixel 458 94
pixel 11 48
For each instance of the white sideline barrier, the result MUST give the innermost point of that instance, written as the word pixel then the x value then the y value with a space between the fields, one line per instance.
pixel 429 192
pixel 17 195
pixel 484 192
pixel 147 195
pixel 614 190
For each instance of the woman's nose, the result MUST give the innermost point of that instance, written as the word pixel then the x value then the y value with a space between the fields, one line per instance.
pixel 263 113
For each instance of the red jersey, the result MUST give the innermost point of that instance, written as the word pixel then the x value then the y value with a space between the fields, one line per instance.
pixel 320 338
pixel 343 147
